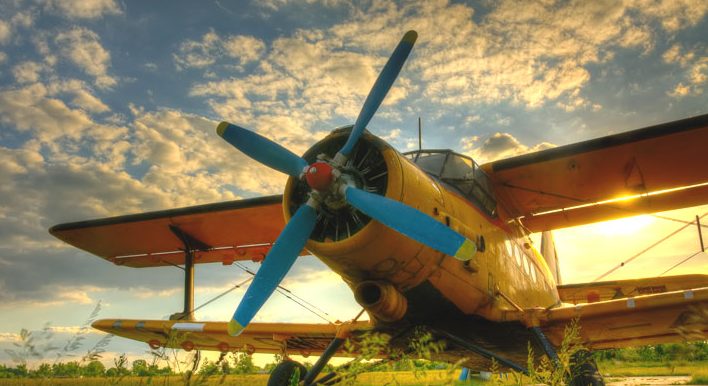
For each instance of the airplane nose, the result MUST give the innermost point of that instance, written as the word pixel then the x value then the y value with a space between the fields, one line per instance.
pixel 319 176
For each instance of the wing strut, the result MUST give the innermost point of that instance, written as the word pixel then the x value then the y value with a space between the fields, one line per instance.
pixel 191 244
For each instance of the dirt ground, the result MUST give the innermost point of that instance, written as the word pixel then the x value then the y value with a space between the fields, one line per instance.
pixel 636 381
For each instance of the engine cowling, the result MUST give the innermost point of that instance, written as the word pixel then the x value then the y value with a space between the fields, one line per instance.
pixel 350 242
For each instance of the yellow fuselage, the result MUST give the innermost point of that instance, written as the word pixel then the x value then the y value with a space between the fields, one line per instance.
pixel 509 273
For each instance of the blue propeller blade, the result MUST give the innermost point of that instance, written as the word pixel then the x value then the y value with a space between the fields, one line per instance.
pixel 276 264
pixel 383 84
pixel 262 149
pixel 412 223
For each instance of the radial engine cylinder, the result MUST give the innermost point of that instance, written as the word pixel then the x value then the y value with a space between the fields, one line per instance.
pixel 382 300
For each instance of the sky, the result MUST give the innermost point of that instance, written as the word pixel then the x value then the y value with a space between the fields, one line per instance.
pixel 110 107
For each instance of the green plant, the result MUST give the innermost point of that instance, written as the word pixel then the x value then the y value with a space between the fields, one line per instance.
pixel 699 379
pixel 556 373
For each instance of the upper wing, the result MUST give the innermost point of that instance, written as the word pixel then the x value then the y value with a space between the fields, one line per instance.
pixel 647 170
pixel 634 321
pixel 222 232
pixel 303 339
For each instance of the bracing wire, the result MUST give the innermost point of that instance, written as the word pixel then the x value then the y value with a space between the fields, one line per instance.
pixel 680 262
pixel 219 296
pixel 296 299
pixel 286 290
pixel 622 264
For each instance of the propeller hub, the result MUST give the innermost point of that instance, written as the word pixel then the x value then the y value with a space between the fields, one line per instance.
pixel 319 176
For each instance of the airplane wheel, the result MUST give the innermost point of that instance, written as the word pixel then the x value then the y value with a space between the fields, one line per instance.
pixel 585 372
pixel 284 373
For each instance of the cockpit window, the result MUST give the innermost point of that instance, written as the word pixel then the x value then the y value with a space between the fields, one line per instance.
pixel 459 171
pixel 431 163
pixel 457 167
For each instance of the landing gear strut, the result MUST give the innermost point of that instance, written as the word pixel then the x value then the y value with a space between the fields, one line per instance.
pixel 285 372
pixel 584 371
pixel 326 356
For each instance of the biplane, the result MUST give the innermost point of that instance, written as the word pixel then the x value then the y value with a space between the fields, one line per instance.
pixel 427 238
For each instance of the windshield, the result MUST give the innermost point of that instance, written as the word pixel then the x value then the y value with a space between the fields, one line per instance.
pixel 459 171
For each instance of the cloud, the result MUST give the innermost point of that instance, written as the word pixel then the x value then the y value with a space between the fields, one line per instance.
pixel 694 63
pixel 23 19
pixel 83 96
pixel 28 72
pixel 5 32
pixel 300 85
pixel 529 54
pixel 674 55
pixel 673 15
pixel 189 158
pixel 83 9
pixel 212 47
pixel 681 90
pixel 73 167
pixel 243 48
pixel 83 47
pixel 43 190
pixel 31 109
pixel 9 337
pixel 198 54
pixel 499 146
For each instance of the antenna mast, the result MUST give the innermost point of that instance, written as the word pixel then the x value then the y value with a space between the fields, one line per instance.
pixel 420 135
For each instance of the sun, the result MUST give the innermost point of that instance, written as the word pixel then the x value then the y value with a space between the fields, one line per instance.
pixel 624 226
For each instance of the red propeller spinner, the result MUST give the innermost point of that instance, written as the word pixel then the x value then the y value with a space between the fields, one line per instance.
pixel 319 175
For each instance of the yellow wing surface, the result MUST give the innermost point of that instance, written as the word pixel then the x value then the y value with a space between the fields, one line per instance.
pixel 652 169
pixel 634 320
pixel 303 339
pixel 221 232
pixel 617 289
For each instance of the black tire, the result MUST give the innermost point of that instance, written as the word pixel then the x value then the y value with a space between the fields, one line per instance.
pixel 585 372
pixel 283 373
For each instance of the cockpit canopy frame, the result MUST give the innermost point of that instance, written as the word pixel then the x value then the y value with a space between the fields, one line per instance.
pixel 460 172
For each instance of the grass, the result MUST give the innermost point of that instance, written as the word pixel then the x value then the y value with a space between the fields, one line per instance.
pixel 402 378
pixel 638 369
pixel 700 378
pixel 422 345
pixel 231 380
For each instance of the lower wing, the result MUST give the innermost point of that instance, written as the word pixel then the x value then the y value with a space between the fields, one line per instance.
pixel 272 338
pixel 634 321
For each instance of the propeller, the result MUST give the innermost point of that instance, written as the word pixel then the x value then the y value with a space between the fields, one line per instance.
pixel 276 264
pixel 323 178
pixel 381 87
pixel 262 149
pixel 411 222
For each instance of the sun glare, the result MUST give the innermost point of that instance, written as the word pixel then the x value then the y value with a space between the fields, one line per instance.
pixel 623 226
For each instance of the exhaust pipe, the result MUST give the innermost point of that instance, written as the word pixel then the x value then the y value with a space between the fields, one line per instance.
pixel 382 300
